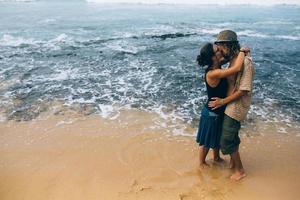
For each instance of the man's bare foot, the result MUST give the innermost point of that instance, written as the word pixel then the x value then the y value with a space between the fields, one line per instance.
pixel 204 165
pixel 238 175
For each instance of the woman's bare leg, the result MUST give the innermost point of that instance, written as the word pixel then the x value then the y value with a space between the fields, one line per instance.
pixel 217 157
pixel 202 156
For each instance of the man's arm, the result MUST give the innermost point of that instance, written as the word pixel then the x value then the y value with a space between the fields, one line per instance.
pixel 218 102
pixel 247 77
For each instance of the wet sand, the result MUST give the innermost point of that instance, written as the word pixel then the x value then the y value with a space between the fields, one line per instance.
pixel 79 157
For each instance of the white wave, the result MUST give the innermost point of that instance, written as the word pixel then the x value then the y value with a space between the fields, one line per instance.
pixel 127 48
pixel 9 40
pixel 251 33
pixel 288 37
pixel 210 31
pixel 55 43
pixel 63 75
pixel 59 75
pixel 248 33
pixel 160 112
pixel 271 22
pixel 62 38
pixel 106 110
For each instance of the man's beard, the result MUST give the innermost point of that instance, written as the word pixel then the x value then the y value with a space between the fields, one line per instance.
pixel 227 57
pixel 224 61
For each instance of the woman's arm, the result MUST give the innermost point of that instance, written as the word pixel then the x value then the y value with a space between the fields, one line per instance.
pixel 218 102
pixel 236 67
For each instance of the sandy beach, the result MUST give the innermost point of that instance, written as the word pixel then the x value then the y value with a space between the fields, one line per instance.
pixel 86 157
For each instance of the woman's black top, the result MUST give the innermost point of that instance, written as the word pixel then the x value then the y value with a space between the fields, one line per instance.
pixel 219 91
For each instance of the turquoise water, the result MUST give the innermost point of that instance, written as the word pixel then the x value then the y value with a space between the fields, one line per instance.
pixel 111 57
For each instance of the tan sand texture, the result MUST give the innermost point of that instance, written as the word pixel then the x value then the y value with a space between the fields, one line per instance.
pixel 94 158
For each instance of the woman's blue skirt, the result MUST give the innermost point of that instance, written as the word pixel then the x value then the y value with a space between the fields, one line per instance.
pixel 210 127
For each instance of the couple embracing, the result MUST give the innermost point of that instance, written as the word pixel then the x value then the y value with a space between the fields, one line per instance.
pixel 229 93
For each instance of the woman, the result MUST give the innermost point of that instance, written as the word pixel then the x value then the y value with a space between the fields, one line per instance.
pixel 209 131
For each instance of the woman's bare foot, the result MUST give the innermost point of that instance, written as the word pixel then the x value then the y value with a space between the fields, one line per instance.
pixel 219 160
pixel 204 165
pixel 238 175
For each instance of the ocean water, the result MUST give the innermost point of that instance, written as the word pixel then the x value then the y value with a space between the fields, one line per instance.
pixel 111 57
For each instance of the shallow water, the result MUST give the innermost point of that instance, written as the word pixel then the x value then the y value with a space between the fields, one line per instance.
pixel 102 58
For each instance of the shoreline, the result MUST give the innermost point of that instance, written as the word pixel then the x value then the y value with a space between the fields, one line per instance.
pixel 88 157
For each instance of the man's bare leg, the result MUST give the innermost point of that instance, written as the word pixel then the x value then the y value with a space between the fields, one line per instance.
pixel 231 164
pixel 202 156
pixel 239 171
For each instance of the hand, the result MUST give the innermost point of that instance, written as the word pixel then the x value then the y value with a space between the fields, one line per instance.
pixel 245 49
pixel 215 103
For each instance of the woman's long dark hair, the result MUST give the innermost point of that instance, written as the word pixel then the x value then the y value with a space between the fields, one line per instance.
pixel 205 56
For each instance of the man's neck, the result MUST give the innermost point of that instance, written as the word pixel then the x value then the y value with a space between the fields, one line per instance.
pixel 233 58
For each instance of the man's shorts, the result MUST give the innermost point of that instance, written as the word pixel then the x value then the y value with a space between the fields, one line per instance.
pixel 230 139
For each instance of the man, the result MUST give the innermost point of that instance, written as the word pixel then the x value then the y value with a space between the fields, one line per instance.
pixel 240 85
